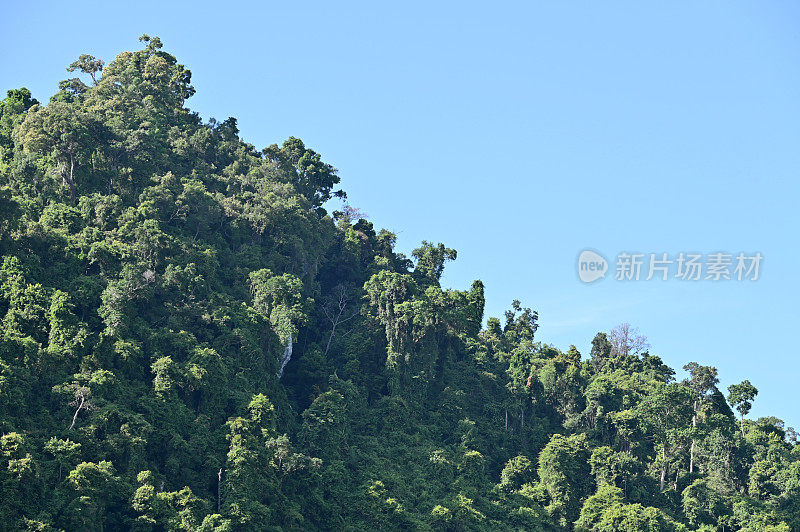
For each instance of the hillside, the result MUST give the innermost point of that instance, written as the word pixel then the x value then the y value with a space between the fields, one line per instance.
pixel 192 341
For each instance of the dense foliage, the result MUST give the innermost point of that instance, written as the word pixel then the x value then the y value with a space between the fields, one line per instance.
pixel 190 341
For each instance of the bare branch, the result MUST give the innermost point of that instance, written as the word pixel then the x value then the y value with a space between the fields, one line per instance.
pixel 626 340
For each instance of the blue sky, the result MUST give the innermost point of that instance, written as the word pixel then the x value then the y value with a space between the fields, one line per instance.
pixel 519 134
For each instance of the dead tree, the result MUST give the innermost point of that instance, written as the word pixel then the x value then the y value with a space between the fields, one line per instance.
pixel 337 312
pixel 626 340
pixel 81 401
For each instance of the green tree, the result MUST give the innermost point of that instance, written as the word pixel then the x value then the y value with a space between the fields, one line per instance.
pixel 666 412
pixel 564 473
pixel 741 397
pixel 601 350
pixel 304 168
pixel 63 131
pixel 88 64
pixel 517 471
pixel 280 299
pixel 431 259
pixel 702 380
pixel 65 453
pixel 95 487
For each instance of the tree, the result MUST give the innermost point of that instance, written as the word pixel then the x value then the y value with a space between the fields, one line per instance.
pixel 702 505
pixel 63 130
pixel 516 472
pixel 431 259
pixel 95 486
pixel 247 484
pixel 666 412
pixel 304 168
pixel 18 472
pixel 741 397
pixel 593 510
pixel 613 468
pixel 702 381
pixel 350 214
pixel 564 473
pixel 325 424
pixel 279 298
pixel 81 398
pixel 335 309
pixel 285 460
pixel 178 510
pixel 12 111
pixel 412 320
pixel 521 323
pixel 601 350
pixel 88 64
pixel 626 340
pixel 64 451
pixel 763 480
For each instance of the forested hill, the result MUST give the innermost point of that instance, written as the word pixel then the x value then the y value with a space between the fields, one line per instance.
pixel 191 341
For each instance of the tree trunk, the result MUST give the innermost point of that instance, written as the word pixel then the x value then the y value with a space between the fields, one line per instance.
pixel 287 355
pixel 80 407
pixel 333 330
pixel 71 178
pixel 663 468
pixel 67 178
pixel 691 449
pixel 219 490
pixel 335 321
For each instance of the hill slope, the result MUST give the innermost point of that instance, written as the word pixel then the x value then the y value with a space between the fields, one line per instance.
pixel 191 341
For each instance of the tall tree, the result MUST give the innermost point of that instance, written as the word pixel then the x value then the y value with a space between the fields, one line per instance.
pixel 702 381
pixel 88 64
pixel 666 412
pixel 741 397
pixel 64 131
pixel 431 259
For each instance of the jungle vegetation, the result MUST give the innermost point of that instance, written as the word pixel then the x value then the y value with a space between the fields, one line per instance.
pixel 190 340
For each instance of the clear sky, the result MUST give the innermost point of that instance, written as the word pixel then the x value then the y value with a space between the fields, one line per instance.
pixel 519 134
